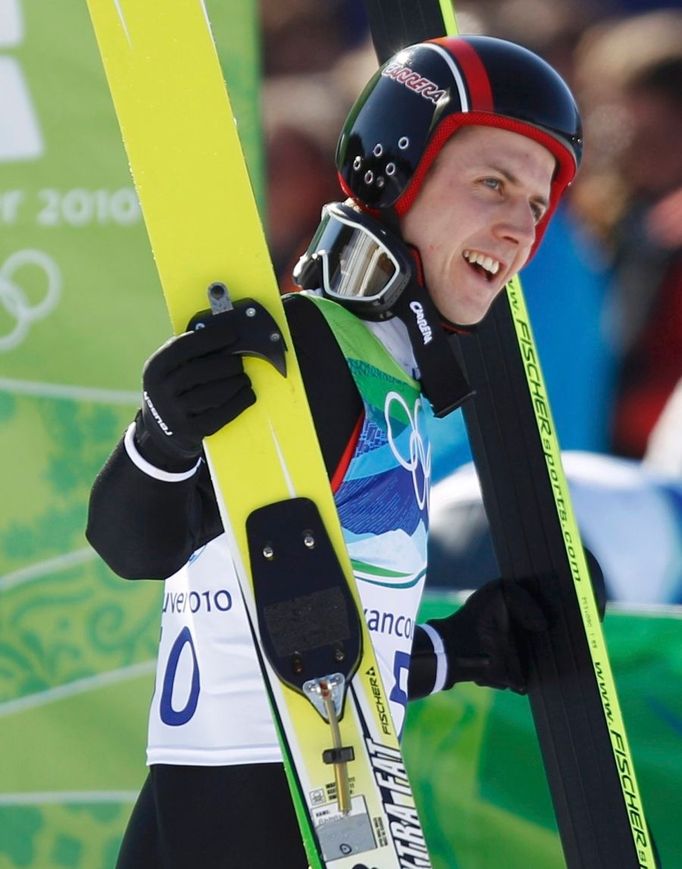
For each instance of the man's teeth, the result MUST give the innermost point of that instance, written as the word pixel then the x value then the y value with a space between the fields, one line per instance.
pixel 488 263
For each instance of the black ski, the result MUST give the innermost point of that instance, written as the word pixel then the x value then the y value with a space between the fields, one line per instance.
pixel 589 769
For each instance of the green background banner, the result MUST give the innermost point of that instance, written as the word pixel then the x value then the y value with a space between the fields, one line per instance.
pixel 80 310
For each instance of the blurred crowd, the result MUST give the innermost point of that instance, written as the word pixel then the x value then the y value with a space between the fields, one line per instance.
pixel 605 293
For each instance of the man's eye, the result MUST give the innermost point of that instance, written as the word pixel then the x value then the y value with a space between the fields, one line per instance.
pixel 538 212
pixel 493 183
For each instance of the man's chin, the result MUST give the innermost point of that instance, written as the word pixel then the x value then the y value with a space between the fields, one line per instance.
pixel 464 324
pixel 470 316
pixel 473 302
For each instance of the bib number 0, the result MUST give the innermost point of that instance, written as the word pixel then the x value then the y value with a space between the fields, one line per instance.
pixel 169 715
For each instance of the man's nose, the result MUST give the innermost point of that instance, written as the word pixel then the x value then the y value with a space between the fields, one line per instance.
pixel 518 224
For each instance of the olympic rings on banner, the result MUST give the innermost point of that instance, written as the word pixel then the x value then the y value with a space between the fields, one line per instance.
pixel 15 300
pixel 419 455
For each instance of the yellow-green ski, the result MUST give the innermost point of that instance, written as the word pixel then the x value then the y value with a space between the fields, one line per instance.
pixel 201 217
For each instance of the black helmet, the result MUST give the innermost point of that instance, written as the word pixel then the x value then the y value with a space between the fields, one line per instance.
pixel 421 96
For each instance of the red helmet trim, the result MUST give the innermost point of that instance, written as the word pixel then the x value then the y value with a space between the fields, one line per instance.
pixel 475 73
pixel 349 193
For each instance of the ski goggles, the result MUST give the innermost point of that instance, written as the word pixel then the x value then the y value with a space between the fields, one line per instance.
pixel 355 261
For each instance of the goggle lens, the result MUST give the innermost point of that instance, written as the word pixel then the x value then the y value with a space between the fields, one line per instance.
pixel 355 264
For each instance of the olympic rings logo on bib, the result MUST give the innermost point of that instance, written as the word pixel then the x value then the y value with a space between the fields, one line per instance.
pixel 418 453
pixel 15 300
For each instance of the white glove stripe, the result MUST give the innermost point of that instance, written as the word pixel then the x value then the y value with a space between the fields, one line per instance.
pixel 149 469
pixel 441 657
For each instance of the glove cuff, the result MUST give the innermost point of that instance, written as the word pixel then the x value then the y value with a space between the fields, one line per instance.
pixel 459 662
pixel 165 459
pixel 428 665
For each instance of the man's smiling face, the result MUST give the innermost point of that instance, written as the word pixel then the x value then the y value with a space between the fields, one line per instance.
pixel 474 220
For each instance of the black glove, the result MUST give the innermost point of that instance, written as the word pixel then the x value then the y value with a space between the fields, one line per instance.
pixel 192 386
pixel 482 638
